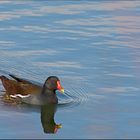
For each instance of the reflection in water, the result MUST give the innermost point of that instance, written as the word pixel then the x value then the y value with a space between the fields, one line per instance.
pixel 47 118
pixel 47 112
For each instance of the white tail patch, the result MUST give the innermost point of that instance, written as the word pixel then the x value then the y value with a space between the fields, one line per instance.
pixel 19 95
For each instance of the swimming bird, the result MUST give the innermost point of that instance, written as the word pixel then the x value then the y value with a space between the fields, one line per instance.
pixel 25 91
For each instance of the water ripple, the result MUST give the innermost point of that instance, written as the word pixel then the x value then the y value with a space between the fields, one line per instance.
pixel 73 98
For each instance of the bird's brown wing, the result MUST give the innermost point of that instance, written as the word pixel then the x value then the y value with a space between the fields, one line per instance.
pixel 29 88
pixel 20 79
pixel 19 86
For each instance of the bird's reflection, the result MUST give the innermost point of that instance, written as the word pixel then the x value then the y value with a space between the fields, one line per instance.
pixel 47 118
pixel 47 113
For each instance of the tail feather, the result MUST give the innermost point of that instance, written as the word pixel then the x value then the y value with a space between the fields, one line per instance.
pixel 20 79
pixel 5 81
pixel 16 78
pixel 2 77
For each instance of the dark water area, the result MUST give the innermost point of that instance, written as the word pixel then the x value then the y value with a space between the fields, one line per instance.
pixel 93 47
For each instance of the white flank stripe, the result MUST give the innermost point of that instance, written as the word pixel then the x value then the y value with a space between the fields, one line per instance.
pixel 19 95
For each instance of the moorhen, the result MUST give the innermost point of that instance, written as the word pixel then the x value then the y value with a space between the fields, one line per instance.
pixel 25 91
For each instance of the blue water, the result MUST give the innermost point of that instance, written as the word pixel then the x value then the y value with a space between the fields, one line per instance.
pixel 93 47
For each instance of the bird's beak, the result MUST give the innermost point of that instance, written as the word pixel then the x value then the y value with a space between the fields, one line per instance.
pixel 62 90
pixel 57 126
pixel 59 87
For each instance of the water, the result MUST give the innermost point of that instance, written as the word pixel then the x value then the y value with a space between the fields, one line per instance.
pixel 93 47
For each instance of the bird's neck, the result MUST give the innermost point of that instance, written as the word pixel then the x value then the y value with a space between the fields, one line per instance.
pixel 48 92
pixel 49 96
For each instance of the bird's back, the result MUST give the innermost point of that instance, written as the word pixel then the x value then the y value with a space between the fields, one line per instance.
pixel 18 87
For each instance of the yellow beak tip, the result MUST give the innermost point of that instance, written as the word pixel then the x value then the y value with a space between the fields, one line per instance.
pixel 59 126
pixel 62 90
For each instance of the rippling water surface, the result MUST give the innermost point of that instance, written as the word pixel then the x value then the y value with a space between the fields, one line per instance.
pixel 93 47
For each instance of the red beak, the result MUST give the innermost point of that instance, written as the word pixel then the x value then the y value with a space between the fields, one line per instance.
pixel 59 87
